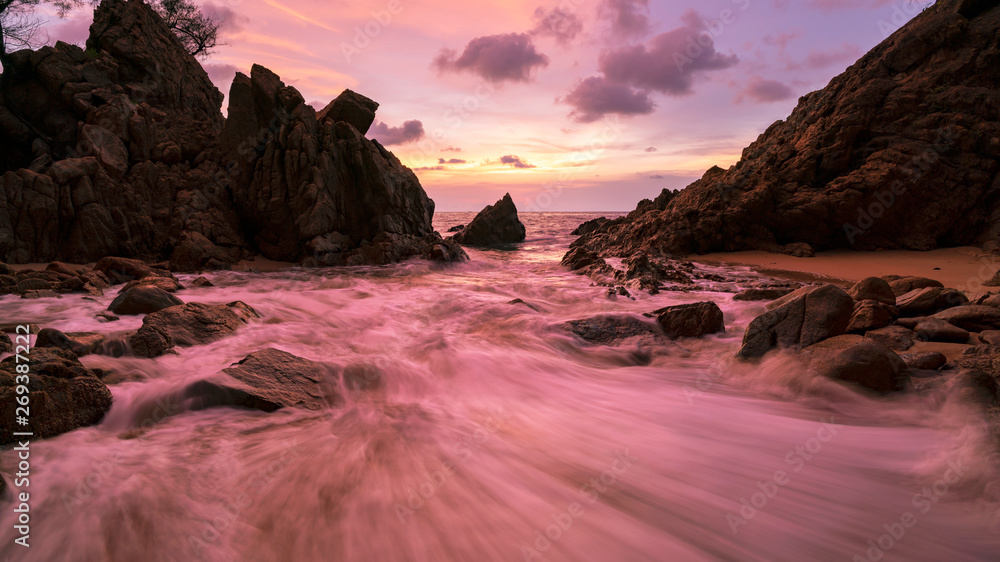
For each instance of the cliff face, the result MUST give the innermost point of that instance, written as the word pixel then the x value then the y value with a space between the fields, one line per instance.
pixel 121 149
pixel 900 151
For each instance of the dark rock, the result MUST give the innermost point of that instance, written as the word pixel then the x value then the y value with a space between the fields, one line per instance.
pixel 456 228
pixel 935 329
pixel 873 288
pixel 195 252
pixel 871 161
pixel 608 330
pixel 6 346
pixel 590 226
pixel 871 315
pixel 534 307
pixel 43 294
pixel 80 343
pixel 362 377
pixel 187 325
pixel 202 282
pixel 580 258
pixel 904 285
pixel 972 317
pixel 352 108
pixel 64 395
pixel 168 284
pixel 65 268
pixel 802 318
pixel 122 270
pixel 496 224
pixel 690 320
pixel 266 380
pixel 991 337
pixel 762 294
pixel 926 360
pixel 896 338
pixel 867 364
pixel 929 300
pixel 143 299
pixel 107 317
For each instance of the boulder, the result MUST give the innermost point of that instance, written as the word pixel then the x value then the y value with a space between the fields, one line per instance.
pixel 690 320
pixel 972 317
pixel 866 364
pixel 608 330
pixel 896 338
pixel 590 226
pixel 64 395
pixel 195 252
pixel 187 325
pixel 122 270
pixel 926 360
pixel 266 380
pixel 904 285
pixel 143 299
pixel 928 300
pixel 496 224
pixel 6 346
pixel 991 337
pixel 802 318
pixel 202 282
pixel 352 108
pixel 456 228
pixel 168 284
pixel 935 329
pixel 871 315
pixel 873 288
pixel 80 343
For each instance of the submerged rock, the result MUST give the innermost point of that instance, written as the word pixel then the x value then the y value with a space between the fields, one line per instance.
pixel 188 324
pixel 799 319
pixel 608 330
pixel 690 320
pixel 867 364
pixel 496 224
pixel 590 226
pixel 143 299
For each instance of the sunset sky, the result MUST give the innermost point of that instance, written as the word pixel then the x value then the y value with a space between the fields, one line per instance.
pixel 605 102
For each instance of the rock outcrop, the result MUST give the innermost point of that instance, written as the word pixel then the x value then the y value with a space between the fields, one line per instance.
pixel 901 151
pixel 188 324
pixel 496 224
pixel 690 320
pixel 121 149
pixel 799 319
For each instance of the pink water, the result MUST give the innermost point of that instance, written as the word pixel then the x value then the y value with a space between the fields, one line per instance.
pixel 493 429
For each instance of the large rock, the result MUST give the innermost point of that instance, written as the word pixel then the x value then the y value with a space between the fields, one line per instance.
pixel 799 319
pixel 608 330
pixel 351 108
pixel 935 329
pixel 873 288
pixel 267 380
pixel 496 224
pixel 80 343
pixel 867 364
pixel 63 394
pixel 898 152
pixel 871 315
pixel 896 338
pixel 188 324
pixel 143 299
pixel 972 317
pixel 928 300
pixel 690 320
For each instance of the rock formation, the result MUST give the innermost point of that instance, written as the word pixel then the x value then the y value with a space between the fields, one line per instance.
pixel 901 151
pixel 496 224
pixel 121 149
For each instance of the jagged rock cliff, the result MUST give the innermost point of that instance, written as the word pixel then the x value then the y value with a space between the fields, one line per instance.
pixel 901 151
pixel 121 149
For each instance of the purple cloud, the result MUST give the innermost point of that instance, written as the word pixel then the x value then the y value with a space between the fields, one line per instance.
pixel 628 18
pixel 451 149
pixel 229 20
pixel 451 161
pixel 220 73
pixel 670 60
pixel 515 161
pixel 560 24
pixel 411 131
pixel 651 149
pixel 761 90
pixel 820 59
pixel 831 5
pixel 596 96
pixel 498 58
pixel 429 168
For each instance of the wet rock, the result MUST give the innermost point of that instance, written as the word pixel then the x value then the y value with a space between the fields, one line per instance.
pixel 534 307
pixel 873 288
pixel 926 360
pixel 266 380
pixel 580 258
pixel 904 285
pixel 362 377
pixel 590 226
pixel 6 346
pixel 972 317
pixel 80 343
pixel 690 320
pixel 64 395
pixel 202 282
pixel 871 315
pixel 929 300
pixel 456 228
pixel 143 299
pixel 168 284
pixel 122 270
pixel 867 364
pixel 188 325
pixel 496 224
pixel 896 338
pixel 799 319
pixel 935 329
pixel 608 330
pixel 107 317
pixel 43 294
pixel 768 294
pixel 195 252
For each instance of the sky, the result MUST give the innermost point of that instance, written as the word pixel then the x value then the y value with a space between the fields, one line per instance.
pixel 568 105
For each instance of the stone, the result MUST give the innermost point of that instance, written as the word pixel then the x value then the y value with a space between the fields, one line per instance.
pixel 690 320
pixel 79 343
pixel 766 294
pixel 904 285
pixel 143 299
pixel 972 317
pixel 926 360
pixel 266 380
pixel 168 284
pixel 6 346
pixel 928 300
pixel 609 330
pixel 496 224
pixel 202 282
pixel 64 395
pixel 935 329
pixel 991 337
pixel 802 318
pixel 456 228
pixel 871 315
pixel 867 364
pixel 873 288
pixel 352 108
pixel 896 338
pixel 195 252
pixel 187 325
pixel 590 226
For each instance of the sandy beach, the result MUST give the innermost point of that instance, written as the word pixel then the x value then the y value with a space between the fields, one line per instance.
pixel 965 268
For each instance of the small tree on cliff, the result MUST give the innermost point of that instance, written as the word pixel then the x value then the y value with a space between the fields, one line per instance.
pixel 18 23
pixel 198 32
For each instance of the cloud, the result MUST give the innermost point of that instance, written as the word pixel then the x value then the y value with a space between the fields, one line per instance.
pixel 498 58
pixel 628 18
pixel 832 5
pixel 230 21
pixel 450 161
pixel 220 73
pixel 411 131
pixel 761 90
pixel 515 161
pixel 657 177
pixel 670 60
pixel 781 40
pixel 820 59
pixel 651 149
pixel 560 24
pixel 596 96
pixel 429 168
pixel 451 149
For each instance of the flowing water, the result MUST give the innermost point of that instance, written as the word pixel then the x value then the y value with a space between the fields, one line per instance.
pixel 495 435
